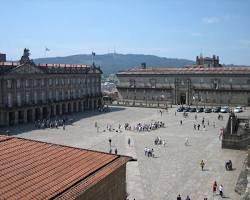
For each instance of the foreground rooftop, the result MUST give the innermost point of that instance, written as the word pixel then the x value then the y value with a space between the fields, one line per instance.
pixel 37 170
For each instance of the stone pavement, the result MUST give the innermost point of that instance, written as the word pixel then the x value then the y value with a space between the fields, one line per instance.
pixel 175 168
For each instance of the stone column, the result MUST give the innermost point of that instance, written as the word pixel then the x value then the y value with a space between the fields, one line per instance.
pixel 82 106
pixel 54 109
pixel 7 122
pixel 1 118
pixel 71 107
pixel 33 115
pixel 66 108
pixel 40 113
pixel 25 116
pixel 77 106
pixel 48 112
pixel 16 118
pixel 60 109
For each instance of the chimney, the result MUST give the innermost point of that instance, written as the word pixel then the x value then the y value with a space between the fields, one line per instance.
pixel 143 65
pixel 2 57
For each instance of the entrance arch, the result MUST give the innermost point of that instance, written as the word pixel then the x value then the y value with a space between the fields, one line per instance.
pixel 183 98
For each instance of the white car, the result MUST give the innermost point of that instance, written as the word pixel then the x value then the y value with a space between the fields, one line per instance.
pixel 225 109
pixel 238 109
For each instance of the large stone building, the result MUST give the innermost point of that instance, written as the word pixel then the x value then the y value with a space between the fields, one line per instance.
pixel 30 92
pixel 206 83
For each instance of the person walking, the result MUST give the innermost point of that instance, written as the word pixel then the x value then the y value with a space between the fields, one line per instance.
pixel 188 198
pixel 129 142
pixel 202 164
pixel 115 150
pixel 178 197
pixel 221 190
pixel 214 187
pixel 181 122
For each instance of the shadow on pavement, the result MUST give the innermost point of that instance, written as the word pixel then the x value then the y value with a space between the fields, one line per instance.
pixel 74 117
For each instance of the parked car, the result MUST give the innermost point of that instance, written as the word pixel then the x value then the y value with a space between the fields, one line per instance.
pixel 216 109
pixel 180 109
pixel 192 110
pixel 238 109
pixel 186 109
pixel 207 110
pixel 225 109
pixel 199 110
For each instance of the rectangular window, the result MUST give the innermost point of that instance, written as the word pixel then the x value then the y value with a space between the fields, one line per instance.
pixel 35 83
pixel 153 83
pixel 26 83
pixel 42 82
pixel 19 101
pixel 18 83
pixel 9 84
pixel 50 81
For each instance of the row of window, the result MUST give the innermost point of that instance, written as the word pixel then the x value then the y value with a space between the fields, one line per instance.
pixel 58 95
pixel 50 82
pixel 152 82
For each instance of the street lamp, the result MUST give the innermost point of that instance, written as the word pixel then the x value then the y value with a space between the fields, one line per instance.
pixel 110 145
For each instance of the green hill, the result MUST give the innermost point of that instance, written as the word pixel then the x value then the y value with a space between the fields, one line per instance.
pixel 112 63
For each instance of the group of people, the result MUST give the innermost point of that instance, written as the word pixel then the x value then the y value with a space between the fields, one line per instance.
pixel 159 141
pixel 148 127
pixel 215 188
pixel 148 152
pixel 51 123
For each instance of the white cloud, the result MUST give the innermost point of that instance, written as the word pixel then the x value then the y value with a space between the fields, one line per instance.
pixel 211 20
pixel 216 19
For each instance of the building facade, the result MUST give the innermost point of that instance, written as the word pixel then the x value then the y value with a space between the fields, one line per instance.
pixel 207 84
pixel 30 92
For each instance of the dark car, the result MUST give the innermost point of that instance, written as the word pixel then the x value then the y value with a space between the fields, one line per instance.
pixel 180 109
pixel 186 109
pixel 192 110
pixel 216 109
pixel 199 110
pixel 207 110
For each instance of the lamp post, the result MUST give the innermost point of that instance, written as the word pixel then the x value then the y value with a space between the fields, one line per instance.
pixel 110 145
pixel 231 119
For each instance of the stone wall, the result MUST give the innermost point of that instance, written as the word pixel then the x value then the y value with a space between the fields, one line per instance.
pixel 112 187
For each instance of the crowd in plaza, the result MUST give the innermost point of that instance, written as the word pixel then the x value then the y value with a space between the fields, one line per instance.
pixel 52 123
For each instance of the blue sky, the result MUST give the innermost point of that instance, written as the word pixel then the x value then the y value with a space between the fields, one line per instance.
pixel 167 28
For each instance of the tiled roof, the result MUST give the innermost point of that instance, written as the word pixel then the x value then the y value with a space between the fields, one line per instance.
pixel 189 70
pixel 37 170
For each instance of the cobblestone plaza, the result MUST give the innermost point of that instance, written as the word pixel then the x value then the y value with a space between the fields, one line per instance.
pixel 175 168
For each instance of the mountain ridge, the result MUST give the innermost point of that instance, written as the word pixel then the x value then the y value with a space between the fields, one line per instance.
pixel 114 62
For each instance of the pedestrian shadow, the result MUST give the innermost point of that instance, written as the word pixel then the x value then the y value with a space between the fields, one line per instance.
pixel 205 170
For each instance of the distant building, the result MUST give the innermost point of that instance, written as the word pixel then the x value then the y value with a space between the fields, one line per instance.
pixel 30 92
pixel 208 62
pixel 39 170
pixel 206 83
pixel 2 57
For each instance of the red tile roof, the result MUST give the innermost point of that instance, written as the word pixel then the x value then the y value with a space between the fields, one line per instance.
pixel 37 170
pixel 189 70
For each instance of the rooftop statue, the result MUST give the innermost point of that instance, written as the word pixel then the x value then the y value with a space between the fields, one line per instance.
pixel 25 58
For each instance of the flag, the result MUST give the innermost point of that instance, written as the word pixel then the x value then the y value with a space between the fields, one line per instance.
pixel 93 53
pixel 47 49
